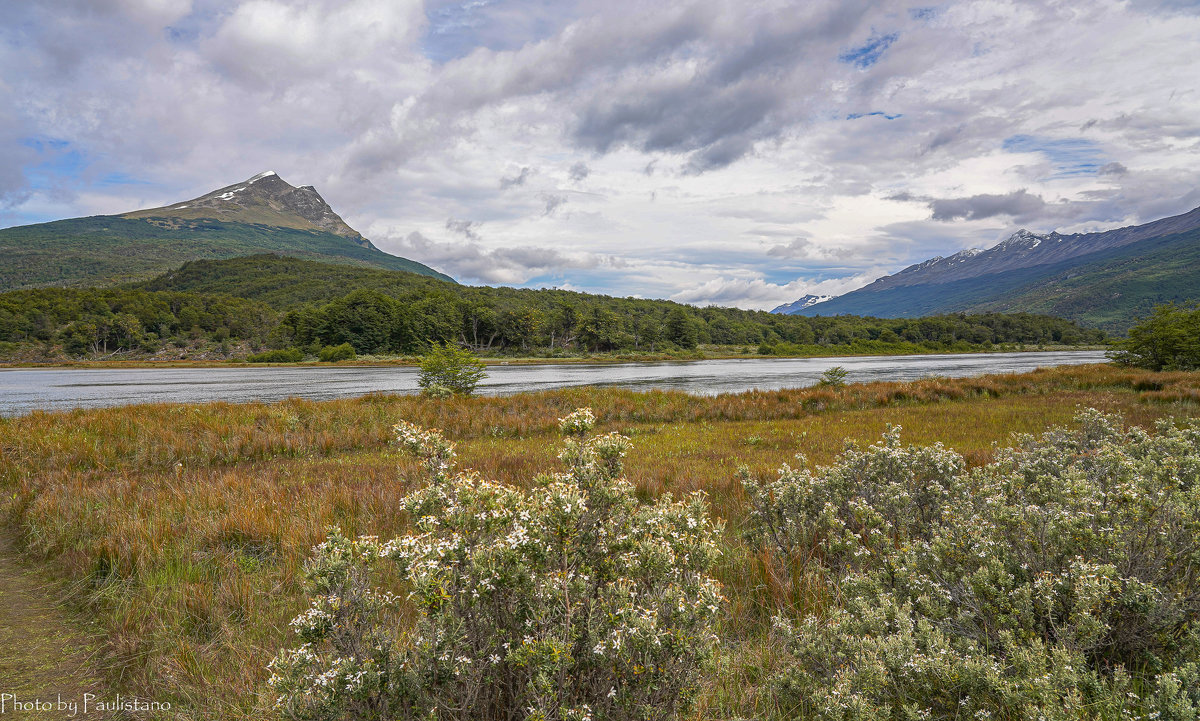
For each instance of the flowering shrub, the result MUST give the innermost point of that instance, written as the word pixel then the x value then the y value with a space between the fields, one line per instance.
pixel 568 601
pixel 1060 581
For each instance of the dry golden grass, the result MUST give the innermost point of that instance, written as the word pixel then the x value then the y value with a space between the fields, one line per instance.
pixel 183 529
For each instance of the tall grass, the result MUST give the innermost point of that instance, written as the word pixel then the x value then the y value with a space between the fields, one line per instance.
pixel 183 529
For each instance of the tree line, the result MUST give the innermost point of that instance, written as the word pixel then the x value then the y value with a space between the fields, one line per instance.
pixel 400 313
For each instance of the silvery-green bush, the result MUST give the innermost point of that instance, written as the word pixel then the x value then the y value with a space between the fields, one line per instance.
pixel 1061 581
pixel 571 600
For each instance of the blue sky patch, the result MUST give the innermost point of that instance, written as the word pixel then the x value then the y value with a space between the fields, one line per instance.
pixel 57 162
pixel 122 179
pixel 1069 156
pixel 880 113
pixel 867 55
pixel 457 27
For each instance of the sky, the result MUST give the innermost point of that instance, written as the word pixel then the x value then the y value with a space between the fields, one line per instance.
pixel 741 153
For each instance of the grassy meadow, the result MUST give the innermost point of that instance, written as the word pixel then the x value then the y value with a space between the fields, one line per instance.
pixel 182 530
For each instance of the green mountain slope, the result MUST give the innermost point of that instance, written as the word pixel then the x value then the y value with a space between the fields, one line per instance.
pixel 287 282
pixel 107 249
pixel 1110 289
pixel 1114 290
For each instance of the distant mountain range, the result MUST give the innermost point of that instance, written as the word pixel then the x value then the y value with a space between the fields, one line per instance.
pixel 261 214
pixel 1105 280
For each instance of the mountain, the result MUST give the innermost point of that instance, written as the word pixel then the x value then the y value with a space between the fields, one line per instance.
pixel 265 199
pixel 1106 280
pixel 261 214
pixel 798 305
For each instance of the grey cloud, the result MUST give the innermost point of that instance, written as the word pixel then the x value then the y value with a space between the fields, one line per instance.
pixel 1142 196
pixel 747 92
pixel 579 171
pixel 515 180
pixel 553 202
pixel 704 79
pixel 1019 204
pixel 797 248
pixel 1113 168
pixel 464 228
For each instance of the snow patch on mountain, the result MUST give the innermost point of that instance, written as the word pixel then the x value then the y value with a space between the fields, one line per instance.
pixel 806 302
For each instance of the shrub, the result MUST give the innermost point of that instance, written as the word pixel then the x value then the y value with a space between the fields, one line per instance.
pixel 571 600
pixel 450 370
pixel 834 377
pixel 1061 581
pixel 288 355
pixel 334 353
pixel 1168 340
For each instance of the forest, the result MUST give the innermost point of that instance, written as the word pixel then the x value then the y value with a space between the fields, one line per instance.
pixel 268 302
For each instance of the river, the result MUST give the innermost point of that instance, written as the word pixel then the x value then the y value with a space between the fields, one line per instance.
pixel 24 390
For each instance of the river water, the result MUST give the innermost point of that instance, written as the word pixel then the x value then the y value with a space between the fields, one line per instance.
pixel 25 390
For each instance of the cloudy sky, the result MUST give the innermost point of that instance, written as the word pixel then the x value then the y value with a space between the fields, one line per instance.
pixel 737 152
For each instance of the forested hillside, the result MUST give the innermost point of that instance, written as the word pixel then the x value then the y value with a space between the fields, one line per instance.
pixel 277 302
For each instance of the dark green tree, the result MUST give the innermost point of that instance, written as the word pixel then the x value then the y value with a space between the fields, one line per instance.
pixel 681 329
pixel 1168 340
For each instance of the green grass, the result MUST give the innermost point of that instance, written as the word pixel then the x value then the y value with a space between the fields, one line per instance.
pixel 182 530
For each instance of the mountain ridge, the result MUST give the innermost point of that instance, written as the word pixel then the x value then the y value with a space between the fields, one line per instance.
pixel 263 214
pixel 1025 249
pixel 1044 273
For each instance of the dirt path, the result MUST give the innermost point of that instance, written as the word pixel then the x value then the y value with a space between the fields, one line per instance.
pixel 43 650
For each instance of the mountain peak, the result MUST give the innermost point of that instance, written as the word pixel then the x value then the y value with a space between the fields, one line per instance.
pixel 264 199
pixel 798 305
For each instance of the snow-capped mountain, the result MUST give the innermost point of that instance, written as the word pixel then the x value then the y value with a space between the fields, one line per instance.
pixel 1025 249
pixel 798 305
pixel 1110 276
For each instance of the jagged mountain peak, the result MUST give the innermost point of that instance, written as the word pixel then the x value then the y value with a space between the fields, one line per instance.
pixel 798 305
pixel 1027 240
pixel 265 199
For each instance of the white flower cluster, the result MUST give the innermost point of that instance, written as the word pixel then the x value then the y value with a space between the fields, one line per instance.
pixel 572 600
pixel 578 423
pixel 436 453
